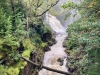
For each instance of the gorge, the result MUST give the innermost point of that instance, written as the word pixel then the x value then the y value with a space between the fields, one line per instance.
pixel 58 25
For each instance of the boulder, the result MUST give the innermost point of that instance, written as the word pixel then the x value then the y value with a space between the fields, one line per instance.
pixel 46 48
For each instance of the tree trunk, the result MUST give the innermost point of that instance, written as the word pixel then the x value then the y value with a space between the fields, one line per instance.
pixel 54 70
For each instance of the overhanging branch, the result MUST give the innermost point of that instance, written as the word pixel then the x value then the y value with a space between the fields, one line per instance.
pixel 47 9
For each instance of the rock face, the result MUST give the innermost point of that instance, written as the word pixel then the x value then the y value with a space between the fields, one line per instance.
pixel 46 48
pixel 52 42
pixel 49 38
pixel 46 37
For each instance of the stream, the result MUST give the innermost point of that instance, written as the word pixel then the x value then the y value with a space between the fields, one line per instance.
pixel 57 50
pixel 58 25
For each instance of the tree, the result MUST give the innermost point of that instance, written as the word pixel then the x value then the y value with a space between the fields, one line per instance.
pixel 18 18
pixel 83 43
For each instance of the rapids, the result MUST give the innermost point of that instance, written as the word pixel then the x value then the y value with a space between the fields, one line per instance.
pixel 58 25
pixel 57 50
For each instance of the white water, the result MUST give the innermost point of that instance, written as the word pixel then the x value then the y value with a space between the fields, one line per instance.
pixel 51 57
pixel 54 23
pixel 57 50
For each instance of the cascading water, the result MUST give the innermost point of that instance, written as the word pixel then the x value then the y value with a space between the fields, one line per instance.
pixel 57 50
pixel 54 23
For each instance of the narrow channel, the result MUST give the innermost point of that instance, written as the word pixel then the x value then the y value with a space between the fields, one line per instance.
pixel 57 50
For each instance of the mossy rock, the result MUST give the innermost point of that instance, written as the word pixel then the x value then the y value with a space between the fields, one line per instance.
pixel 52 42
pixel 46 48
pixel 70 52
pixel 46 37
pixel 65 43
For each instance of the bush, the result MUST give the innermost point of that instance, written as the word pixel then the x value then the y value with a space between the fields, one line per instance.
pixel 84 40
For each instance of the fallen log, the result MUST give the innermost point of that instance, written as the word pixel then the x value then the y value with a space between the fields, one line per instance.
pixel 45 67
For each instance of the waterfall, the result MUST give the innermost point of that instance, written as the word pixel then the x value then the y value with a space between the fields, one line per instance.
pixel 54 23
pixel 57 50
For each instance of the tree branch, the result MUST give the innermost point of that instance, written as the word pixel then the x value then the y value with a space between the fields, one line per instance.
pixel 47 9
pixel 38 5
pixel 54 70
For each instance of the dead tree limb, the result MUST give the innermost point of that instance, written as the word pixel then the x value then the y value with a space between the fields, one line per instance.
pixel 47 9
pixel 54 70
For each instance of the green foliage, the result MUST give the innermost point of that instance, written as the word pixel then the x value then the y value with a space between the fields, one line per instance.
pixel 36 7
pixel 5 23
pixel 13 30
pixel 28 48
pixel 84 41
pixel 37 32
pixel 92 8
pixel 83 38
pixel 88 8
pixel 70 5
pixel 10 36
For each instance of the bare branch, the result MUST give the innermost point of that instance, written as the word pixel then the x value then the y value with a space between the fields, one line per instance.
pixel 47 9
pixel 38 5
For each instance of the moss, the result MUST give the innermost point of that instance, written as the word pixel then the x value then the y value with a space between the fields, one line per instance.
pixel 15 68
pixel 28 48
pixel 8 71
pixel 12 71
pixel 2 70
pixel 43 45
pixel 27 44
pixel 2 55
pixel 65 43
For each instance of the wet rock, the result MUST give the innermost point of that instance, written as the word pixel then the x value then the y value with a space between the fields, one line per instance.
pixel 66 38
pixel 61 60
pixel 46 37
pixel 52 42
pixel 54 34
pixel 46 48
pixel 69 52
pixel 72 70
pixel 65 43
pixel 61 63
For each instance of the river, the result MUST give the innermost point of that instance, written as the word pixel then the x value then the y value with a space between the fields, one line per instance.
pixel 58 25
pixel 57 50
